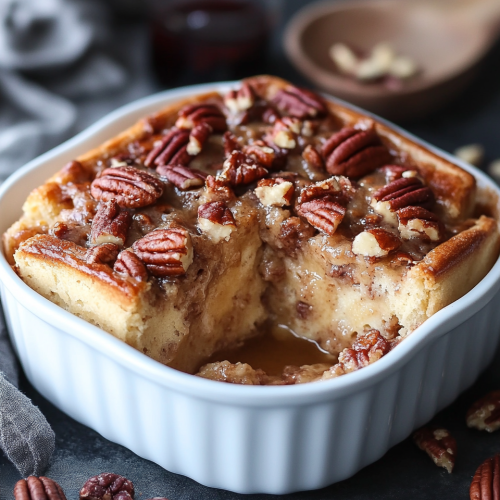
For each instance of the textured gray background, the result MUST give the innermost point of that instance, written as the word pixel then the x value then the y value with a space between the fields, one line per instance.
pixel 404 471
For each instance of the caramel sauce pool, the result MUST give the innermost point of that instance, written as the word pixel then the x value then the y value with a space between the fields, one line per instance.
pixel 276 348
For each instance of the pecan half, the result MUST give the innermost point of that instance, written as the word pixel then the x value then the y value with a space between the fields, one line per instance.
pixel 182 177
pixel 216 220
pixel 376 242
pixel 313 158
pixel 417 222
pixel 323 214
pixel 299 102
pixel 129 186
pixel 198 137
pixel 194 114
pixel 128 263
pixel 240 168
pixel 106 253
pixel 439 444
pixel 107 486
pixel 230 143
pixel 393 172
pixel 166 252
pixel 110 224
pixel 486 481
pixel 261 152
pixel 276 192
pixel 335 188
pixel 367 349
pixel 171 149
pixel 484 414
pixel 38 488
pixel 241 99
pixel 403 193
pixel 354 153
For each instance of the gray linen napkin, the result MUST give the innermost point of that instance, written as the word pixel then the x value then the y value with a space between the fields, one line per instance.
pixel 25 435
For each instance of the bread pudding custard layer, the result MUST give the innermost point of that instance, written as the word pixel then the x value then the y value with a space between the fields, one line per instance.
pixel 190 233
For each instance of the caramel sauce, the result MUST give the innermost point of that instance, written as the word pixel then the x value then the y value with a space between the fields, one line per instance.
pixel 276 348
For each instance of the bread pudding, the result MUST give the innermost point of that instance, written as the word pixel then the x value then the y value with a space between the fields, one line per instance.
pixel 223 216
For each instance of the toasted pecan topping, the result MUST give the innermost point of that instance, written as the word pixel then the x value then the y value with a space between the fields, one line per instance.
pixel 129 263
pixel 376 242
pixel 198 137
pixel 323 214
pixel 439 444
pixel 129 186
pixel 241 99
pixel 274 192
pixel 403 193
pixel 299 102
pixel 166 252
pixel 285 131
pixel 240 168
pixel 313 158
pixel 419 222
pixel 172 149
pixel 335 188
pixel 393 172
pixel 293 231
pixel 354 153
pixel 230 143
pixel 261 152
pixel 216 220
pixel 193 114
pixel 73 172
pixel 182 177
pixel 110 224
pixel 105 253
pixel 218 189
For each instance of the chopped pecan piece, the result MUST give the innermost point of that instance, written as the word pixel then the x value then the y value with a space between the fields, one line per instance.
pixel 261 152
pixel 166 252
pixel 285 131
pixel 182 177
pixel 354 153
pixel 239 373
pixel 323 214
pixel 107 486
pixel 218 189
pixel 172 149
pixel 484 414
pixel 230 142
pixel 274 192
pixel 129 186
pixel 335 188
pixel 299 102
pixel 417 222
pixel 292 231
pixel 216 220
pixel 439 444
pixel 38 488
pixel 313 158
pixel 198 137
pixel 364 351
pixel 106 253
pixel 241 99
pixel 128 263
pixel 194 114
pixel 240 168
pixel 375 243
pixel 486 481
pixel 110 224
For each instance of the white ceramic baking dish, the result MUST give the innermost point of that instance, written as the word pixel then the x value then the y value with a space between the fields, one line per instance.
pixel 240 438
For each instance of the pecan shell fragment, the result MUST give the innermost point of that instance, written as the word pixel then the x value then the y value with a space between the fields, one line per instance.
pixel 129 186
pixel 166 252
pixel 107 486
pixel 353 152
pixel 486 481
pixel 38 488
pixel 439 444
pixel 484 414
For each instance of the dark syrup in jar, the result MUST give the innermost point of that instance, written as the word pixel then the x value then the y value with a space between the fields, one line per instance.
pixel 208 40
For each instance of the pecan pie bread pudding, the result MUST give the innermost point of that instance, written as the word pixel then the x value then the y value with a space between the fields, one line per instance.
pixel 192 230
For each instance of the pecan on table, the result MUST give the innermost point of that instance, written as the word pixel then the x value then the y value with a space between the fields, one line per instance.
pixel 484 414
pixel 275 192
pixel 439 444
pixel 110 224
pixel 354 153
pixel 240 100
pixel 129 186
pixel 166 252
pixel 299 102
pixel 171 149
pixel 105 253
pixel 216 220
pixel 128 263
pixel 402 193
pixel 182 177
pixel 418 222
pixel 375 242
pixel 240 168
pixel 107 486
pixel 38 488
pixel 194 114
pixel 486 481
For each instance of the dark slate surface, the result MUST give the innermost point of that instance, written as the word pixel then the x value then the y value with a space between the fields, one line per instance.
pixel 404 471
